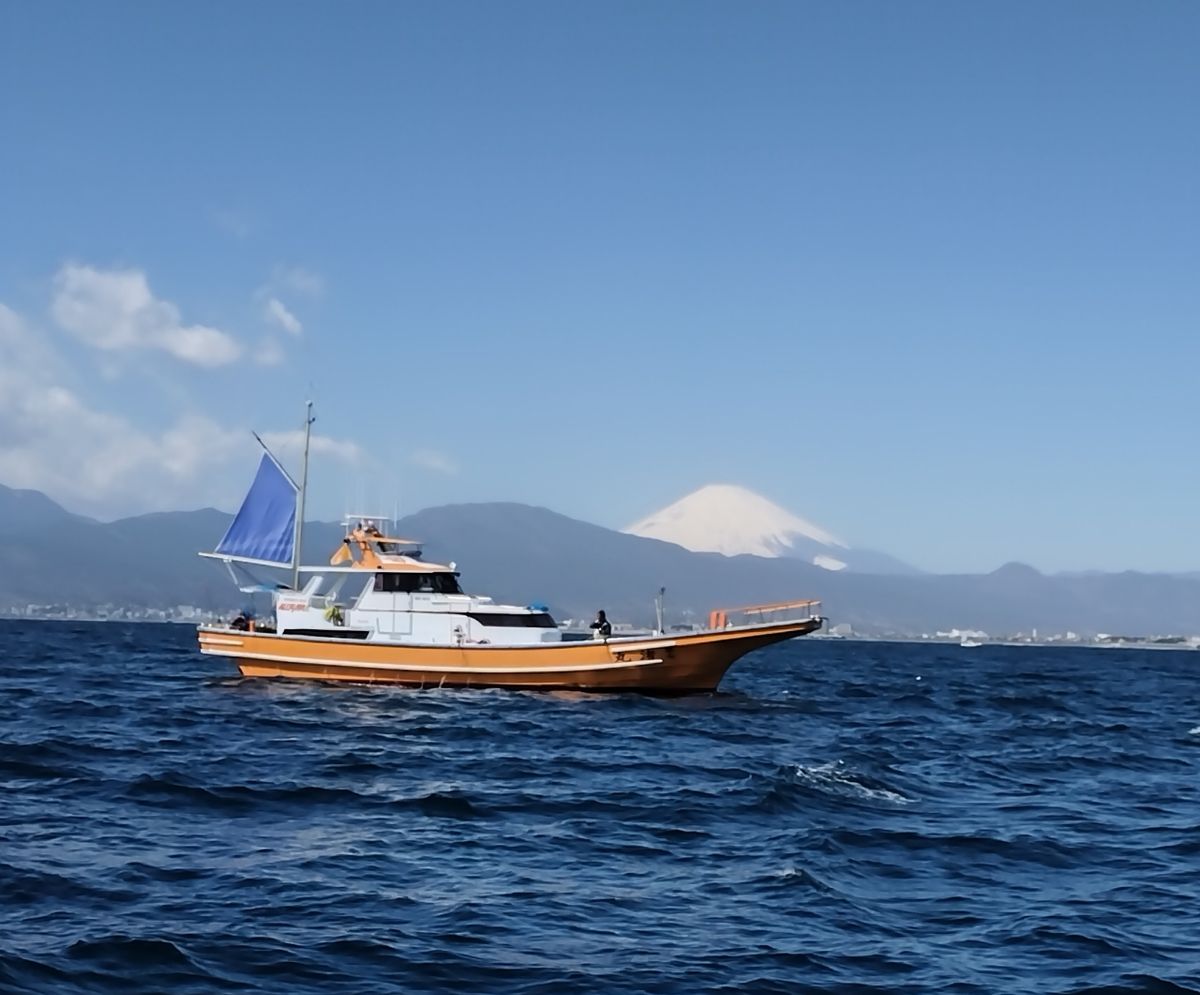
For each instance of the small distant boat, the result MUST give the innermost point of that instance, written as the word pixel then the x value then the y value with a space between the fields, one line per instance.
pixel 970 643
pixel 379 612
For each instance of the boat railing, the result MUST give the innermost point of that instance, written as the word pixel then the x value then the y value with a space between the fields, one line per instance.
pixel 773 613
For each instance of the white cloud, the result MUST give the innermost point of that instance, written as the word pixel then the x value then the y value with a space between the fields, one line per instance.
pixel 276 313
pixel 99 463
pixel 284 281
pixel 54 442
pixel 115 309
pixel 430 459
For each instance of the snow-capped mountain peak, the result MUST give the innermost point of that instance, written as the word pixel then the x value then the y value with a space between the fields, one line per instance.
pixel 725 518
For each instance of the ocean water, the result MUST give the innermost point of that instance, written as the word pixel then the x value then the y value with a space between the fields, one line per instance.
pixel 842 817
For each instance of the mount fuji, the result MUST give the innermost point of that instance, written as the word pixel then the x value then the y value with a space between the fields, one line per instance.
pixel 734 521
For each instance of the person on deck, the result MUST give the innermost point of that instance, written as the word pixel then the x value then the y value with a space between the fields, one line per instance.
pixel 602 626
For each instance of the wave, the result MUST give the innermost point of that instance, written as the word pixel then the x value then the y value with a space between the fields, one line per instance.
pixel 1135 984
pixel 167 830
pixel 130 951
pixel 22 974
pixel 1025 849
pixel 31 886
pixel 837 779
pixel 45 759
pixel 176 790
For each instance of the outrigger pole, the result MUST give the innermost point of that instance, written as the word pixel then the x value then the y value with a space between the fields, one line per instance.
pixel 308 420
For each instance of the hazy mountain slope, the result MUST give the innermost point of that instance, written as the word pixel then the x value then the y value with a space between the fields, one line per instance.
pixel 1015 598
pixel 23 511
pixel 149 561
pixel 48 555
pixel 526 554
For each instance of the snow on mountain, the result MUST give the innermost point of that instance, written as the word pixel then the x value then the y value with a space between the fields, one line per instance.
pixel 724 518
pixel 828 562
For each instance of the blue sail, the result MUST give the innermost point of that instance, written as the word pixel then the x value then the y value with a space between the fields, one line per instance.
pixel 264 528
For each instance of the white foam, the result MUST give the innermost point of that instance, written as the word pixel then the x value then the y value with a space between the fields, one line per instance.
pixel 836 778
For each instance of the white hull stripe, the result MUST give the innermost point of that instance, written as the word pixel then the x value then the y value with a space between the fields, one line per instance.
pixel 415 668
pixel 622 645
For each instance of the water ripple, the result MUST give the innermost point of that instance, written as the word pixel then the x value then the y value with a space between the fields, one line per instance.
pixel 841 817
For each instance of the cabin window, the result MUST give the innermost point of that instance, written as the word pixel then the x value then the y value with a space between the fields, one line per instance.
pixel 441 583
pixel 536 620
pixel 395 582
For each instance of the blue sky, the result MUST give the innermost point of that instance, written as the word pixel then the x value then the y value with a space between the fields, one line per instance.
pixel 927 274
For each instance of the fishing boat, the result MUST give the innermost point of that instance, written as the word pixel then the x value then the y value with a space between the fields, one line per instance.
pixel 379 612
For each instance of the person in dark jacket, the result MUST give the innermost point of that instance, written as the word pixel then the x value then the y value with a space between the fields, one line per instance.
pixel 602 625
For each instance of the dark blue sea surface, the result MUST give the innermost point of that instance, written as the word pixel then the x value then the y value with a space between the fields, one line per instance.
pixel 842 817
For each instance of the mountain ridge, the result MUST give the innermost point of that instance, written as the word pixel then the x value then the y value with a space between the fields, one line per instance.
pixel 522 553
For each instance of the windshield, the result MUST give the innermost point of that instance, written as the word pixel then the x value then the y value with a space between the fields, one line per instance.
pixel 397 582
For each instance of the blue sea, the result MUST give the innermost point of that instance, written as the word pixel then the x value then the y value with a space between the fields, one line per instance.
pixel 842 817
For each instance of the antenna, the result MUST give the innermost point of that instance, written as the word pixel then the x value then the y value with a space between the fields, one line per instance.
pixel 308 421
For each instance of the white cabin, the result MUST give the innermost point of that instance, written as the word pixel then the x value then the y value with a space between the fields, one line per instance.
pixel 379 589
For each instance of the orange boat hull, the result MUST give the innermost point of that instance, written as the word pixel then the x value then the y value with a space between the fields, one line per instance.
pixel 690 662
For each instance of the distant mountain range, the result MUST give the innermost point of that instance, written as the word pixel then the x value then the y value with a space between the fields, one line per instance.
pixel 525 554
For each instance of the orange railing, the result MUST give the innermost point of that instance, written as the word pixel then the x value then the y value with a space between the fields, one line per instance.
pixel 767 614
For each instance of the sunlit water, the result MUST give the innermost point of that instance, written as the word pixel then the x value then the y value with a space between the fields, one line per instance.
pixel 843 817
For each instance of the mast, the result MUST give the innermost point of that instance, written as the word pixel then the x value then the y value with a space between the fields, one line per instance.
pixel 308 420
